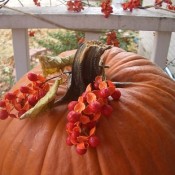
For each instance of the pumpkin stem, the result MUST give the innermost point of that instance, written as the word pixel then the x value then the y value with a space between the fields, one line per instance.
pixel 84 69
pixel 125 84
pixel 103 66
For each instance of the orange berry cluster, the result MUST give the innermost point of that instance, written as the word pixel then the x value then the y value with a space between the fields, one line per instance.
pixel 112 39
pixel 106 8
pixel 31 33
pixel 131 4
pixel 85 113
pixel 16 103
pixel 75 5
pixel 170 6
pixel 36 2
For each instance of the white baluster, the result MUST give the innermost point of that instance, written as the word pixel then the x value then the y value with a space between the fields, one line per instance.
pixel 21 51
pixel 160 48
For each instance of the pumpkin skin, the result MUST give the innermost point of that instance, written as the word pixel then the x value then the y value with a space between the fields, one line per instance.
pixel 138 139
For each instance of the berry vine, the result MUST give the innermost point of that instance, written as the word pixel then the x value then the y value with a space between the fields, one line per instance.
pixel 16 103
pixel 107 9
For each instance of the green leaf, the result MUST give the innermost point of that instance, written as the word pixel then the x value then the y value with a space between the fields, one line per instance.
pixel 43 103
pixel 51 65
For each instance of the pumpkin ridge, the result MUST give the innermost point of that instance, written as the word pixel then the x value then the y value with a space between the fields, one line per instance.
pixel 155 105
pixel 138 61
pixel 147 134
pixel 112 52
pixel 50 144
pixel 123 57
pixel 147 152
pixel 161 120
pixel 5 128
pixel 10 146
pixel 160 90
pixel 154 123
pixel 49 141
pixel 132 124
pixel 121 155
pixel 99 165
pixel 154 77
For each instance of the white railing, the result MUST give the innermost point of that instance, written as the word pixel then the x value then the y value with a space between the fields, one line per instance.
pixel 91 20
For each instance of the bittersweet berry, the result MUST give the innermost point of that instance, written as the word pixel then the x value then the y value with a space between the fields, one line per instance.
pixel 73 116
pixel 81 151
pixel 94 141
pixel 32 76
pixel 3 114
pixel 71 105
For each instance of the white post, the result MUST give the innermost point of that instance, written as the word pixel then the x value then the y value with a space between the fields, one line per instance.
pixel 21 51
pixel 160 48
pixel 92 36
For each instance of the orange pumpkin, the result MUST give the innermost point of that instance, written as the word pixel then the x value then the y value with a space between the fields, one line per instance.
pixel 138 139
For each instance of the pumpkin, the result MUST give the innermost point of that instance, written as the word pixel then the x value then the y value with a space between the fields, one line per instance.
pixel 139 137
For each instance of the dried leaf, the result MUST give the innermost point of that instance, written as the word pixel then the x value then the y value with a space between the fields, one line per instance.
pixel 82 139
pixel 98 79
pixel 81 146
pixel 81 99
pixel 102 85
pixel 92 131
pixel 51 65
pixel 87 111
pixel 91 97
pixel 89 88
pixel 96 117
pixel 43 102
pixel 79 107
pixel 84 119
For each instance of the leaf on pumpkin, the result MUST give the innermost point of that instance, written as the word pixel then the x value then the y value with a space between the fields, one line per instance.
pixel 51 65
pixel 43 102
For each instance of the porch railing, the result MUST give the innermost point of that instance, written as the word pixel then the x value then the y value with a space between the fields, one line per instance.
pixel 91 20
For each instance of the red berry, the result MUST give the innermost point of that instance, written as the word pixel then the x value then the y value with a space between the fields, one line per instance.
pixel 94 141
pixel 96 85
pixel 12 116
pixel 71 105
pixel 95 107
pixel 10 96
pixel 68 141
pixel 116 94
pixel 32 100
pixel 75 134
pixel 106 110
pixel 32 76
pixel 3 114
pixel 21 113
pixel 24 89
pixel 91 124
pixel 81 151
pixel 73 116
pixel 69 126
pixel 104 93
pixel 2 103
pixel 41 94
